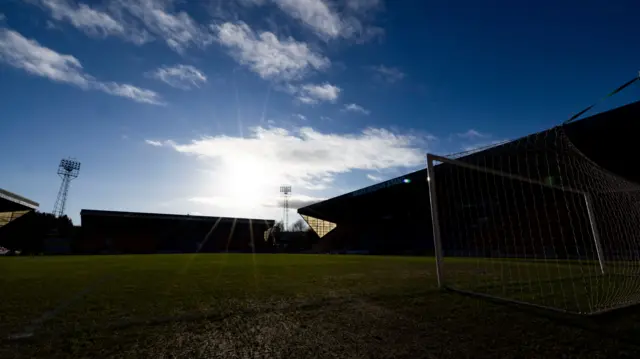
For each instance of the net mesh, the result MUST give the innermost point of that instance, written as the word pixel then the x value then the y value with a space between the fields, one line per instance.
pixel 536 221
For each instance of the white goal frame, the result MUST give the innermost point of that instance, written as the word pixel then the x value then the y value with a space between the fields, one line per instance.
pixel 437 235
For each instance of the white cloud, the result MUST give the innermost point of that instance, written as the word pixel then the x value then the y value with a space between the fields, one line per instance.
pixel 257 164
pixel 388 74
pixel 374 178
pixel 268 56
pixel 50 25
pixel 327 23
pixel 153 143
pixel 92 21
pixel 300 116
pixel 81 16
pixel 356 108
pixel 138 21
pixel 183 77
pixel 307 100
pixel 313 94
pixel 130 92
pixel 178 29
pixel 315 14
pixel 472 134
pixel 30 56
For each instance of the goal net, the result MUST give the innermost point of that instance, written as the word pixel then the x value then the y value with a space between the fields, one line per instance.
pixel 535 221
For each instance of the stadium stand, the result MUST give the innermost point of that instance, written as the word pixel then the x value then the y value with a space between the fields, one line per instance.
pixel 130 232
pixel 394 216
pixel 13 207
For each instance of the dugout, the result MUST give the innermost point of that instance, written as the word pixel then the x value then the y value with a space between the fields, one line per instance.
pixel 394 216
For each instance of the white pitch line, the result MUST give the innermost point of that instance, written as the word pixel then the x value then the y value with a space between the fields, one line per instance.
pixel 30 329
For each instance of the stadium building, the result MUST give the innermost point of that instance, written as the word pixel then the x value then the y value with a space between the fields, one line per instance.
pixel 129 232
pixel 395 216
pixel 13 207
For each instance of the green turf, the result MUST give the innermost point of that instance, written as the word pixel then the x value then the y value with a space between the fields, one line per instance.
pixel 243 305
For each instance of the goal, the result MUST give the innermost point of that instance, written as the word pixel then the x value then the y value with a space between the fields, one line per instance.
pixel 536 222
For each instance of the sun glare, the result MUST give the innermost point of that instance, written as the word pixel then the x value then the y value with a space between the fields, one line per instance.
pixel 244 184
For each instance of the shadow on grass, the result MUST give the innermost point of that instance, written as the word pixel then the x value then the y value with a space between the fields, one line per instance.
pixel 448 320
pixel 620 324
pixel 218 316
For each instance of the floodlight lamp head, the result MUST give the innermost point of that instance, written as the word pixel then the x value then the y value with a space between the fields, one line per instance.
pixel 69 167
pixel 285 189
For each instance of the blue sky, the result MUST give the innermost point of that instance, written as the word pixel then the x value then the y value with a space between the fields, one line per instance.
pixel 208 106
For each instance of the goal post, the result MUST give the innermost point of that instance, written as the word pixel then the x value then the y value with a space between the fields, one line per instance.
pixel 535 222
pixel 594 231
pixel 433 199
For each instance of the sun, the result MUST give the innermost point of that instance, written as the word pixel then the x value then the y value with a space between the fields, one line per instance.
pixel 244 185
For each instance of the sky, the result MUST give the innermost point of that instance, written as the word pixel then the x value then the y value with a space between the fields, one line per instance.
pixel 209 106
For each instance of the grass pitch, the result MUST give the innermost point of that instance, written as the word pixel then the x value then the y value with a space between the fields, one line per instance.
pixel 265 305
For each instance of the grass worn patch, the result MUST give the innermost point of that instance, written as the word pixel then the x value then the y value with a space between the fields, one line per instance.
pixel 281 306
